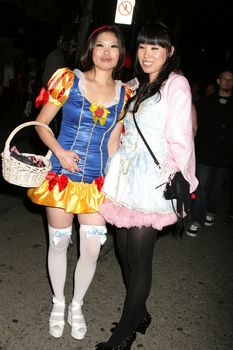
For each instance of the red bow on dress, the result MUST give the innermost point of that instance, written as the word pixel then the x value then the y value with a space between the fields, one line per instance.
pixel 99 181
pixel 53 179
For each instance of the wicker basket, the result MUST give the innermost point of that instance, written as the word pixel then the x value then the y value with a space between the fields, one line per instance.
pixel 19 173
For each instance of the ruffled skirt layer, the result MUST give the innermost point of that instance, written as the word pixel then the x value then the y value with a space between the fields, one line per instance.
pixel 122 216
pixel 76 197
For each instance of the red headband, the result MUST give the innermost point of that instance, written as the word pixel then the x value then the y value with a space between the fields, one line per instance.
pixel 99 29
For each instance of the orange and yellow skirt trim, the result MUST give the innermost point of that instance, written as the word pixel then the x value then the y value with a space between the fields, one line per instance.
pixel 74 197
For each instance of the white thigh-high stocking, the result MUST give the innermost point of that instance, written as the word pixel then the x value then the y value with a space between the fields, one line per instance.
pixel 57 261
pixel 91 238
pixel 57 258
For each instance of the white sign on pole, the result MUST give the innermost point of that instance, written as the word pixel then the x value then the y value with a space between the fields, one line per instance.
pixel 124 11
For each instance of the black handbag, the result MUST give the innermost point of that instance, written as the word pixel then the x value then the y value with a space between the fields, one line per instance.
pixel 177 188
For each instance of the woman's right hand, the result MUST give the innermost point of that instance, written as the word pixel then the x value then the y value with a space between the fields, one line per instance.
pixel 68 160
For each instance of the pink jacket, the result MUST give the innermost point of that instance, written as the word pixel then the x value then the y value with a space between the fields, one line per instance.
pixel 179 134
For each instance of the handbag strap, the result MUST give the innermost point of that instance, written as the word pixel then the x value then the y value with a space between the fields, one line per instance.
pixel 144 140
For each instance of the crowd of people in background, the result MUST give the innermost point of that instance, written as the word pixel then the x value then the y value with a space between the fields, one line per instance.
pixel 214 151
pixel 21 78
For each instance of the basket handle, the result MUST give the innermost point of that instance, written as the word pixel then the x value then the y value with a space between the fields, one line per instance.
pixel 21 126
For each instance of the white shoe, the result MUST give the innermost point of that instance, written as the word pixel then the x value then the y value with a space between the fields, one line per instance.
pixel 56 321
pixel 76 320
pixel 192 230
pixel 209 220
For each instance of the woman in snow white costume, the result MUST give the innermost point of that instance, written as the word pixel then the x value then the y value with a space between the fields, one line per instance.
pixel 92 103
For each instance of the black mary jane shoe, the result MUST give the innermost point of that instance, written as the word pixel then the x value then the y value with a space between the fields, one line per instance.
pixel 142 327
pixel 125 345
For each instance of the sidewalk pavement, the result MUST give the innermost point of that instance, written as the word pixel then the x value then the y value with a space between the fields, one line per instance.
pixel 191 299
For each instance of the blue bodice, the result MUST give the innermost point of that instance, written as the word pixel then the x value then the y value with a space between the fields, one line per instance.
pixel 88 139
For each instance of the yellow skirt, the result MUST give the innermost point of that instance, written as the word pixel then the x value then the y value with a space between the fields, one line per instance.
pixel 74 197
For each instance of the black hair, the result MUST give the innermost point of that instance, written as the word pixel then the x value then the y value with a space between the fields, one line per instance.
pixel 86 59
pixel 154 34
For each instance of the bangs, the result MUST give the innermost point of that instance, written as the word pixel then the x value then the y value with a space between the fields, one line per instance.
pixel 152 41
pixel 154 35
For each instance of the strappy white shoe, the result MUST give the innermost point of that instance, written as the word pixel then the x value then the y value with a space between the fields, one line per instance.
pixel 56 320
pixel 76 321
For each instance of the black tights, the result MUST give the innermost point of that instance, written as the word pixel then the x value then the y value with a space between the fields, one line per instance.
pixel 135 247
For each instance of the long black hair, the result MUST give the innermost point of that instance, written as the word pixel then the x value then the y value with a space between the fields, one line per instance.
pixel 153 34
pixel 86 59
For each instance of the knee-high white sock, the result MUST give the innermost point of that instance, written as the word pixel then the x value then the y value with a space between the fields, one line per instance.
pixel 57 258
pixel 91 238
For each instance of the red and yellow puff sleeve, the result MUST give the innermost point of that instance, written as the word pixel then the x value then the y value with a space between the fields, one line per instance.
pixel 128 94
pixel 58 88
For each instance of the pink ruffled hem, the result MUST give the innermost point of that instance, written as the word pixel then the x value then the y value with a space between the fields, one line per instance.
pixel 121 216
